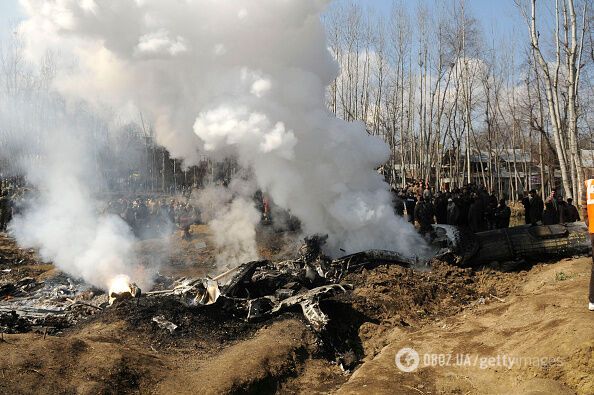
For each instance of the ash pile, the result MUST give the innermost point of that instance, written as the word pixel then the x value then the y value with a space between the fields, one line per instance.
pixel 47 306
pixel 252 291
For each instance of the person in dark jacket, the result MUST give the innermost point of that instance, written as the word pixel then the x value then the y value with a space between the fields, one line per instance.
pixel 550 216
pixel 463 204
pixel 5 210
pixel 536 208
pixel 424 212
pixel 410 202
pixel 441 209
pixel 502 215
pixel 398 204
pixel 476 215
pixel 491 211
pixel 561 210
pixel 571 212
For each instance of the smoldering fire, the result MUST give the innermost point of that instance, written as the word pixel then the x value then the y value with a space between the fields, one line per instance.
pixel 122 287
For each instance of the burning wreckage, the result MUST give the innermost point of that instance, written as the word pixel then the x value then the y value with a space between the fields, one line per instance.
pixel 260 289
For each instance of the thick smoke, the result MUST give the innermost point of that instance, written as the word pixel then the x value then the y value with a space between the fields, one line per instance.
pixel 56 149
pixel 232 218
pixel 232 78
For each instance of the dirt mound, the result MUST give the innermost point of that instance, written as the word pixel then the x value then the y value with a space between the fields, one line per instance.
pixel 257 365
pixel 392 296
pixel 544 325
pixel 107 358
pixel 93 361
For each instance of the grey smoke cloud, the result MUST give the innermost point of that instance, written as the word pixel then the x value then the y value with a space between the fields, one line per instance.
pixel 55 146
pixel 237 78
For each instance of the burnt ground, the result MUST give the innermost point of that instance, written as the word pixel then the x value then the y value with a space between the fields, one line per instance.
pixel 16 263
pixel 215 351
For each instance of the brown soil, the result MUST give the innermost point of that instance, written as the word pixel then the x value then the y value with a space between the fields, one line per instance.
pixel 196 256
pixel 17 262
pixel 539 312
pixel 545 316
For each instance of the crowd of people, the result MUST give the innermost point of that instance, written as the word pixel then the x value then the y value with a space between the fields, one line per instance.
pixel 151 217
pixel 554 210
pixel 475 208
pixel 147 215
pixel 470 206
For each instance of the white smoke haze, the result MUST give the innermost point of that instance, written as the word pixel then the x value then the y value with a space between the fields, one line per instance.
pixel 234 231
pixel 62 221
pixel 232 219
pixel 232 78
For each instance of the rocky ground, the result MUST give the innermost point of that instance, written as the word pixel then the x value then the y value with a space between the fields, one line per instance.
pixel 539 311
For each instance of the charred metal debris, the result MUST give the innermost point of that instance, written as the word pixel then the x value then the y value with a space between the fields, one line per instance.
pixel 254 290
pixel 260 289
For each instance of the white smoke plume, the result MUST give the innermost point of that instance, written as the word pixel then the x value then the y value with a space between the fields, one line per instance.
pixel 53 147
pixel 232 219
pixel 235 234
pixel 244 78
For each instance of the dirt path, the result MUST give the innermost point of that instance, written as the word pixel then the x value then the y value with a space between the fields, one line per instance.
pixel 546 317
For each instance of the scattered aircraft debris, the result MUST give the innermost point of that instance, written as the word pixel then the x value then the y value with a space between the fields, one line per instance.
pixel 260 289
pixel 164 323
pixel 526 242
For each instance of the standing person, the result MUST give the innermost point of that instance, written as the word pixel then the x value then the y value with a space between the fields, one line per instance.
pixel 526 204
pixel 587 198
pixel 561 210
pixel 536 207
pixel 266 209
pixel 5 211
pixel 491 211
pixel 141 216
pixel 551 212
pixel 186 220
pixel 441 208
pixel 502 215
pixel 550 216
pixel 171 212
pixel 476 215
pixel 410 203
pixel 424 212
pixel 571 212
pixel 463 204
pixel 427 192
pixel 398 203
pixel 453 212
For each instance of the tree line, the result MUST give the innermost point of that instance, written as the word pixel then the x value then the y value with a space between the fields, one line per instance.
pixel 459 104
pixel 455 103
